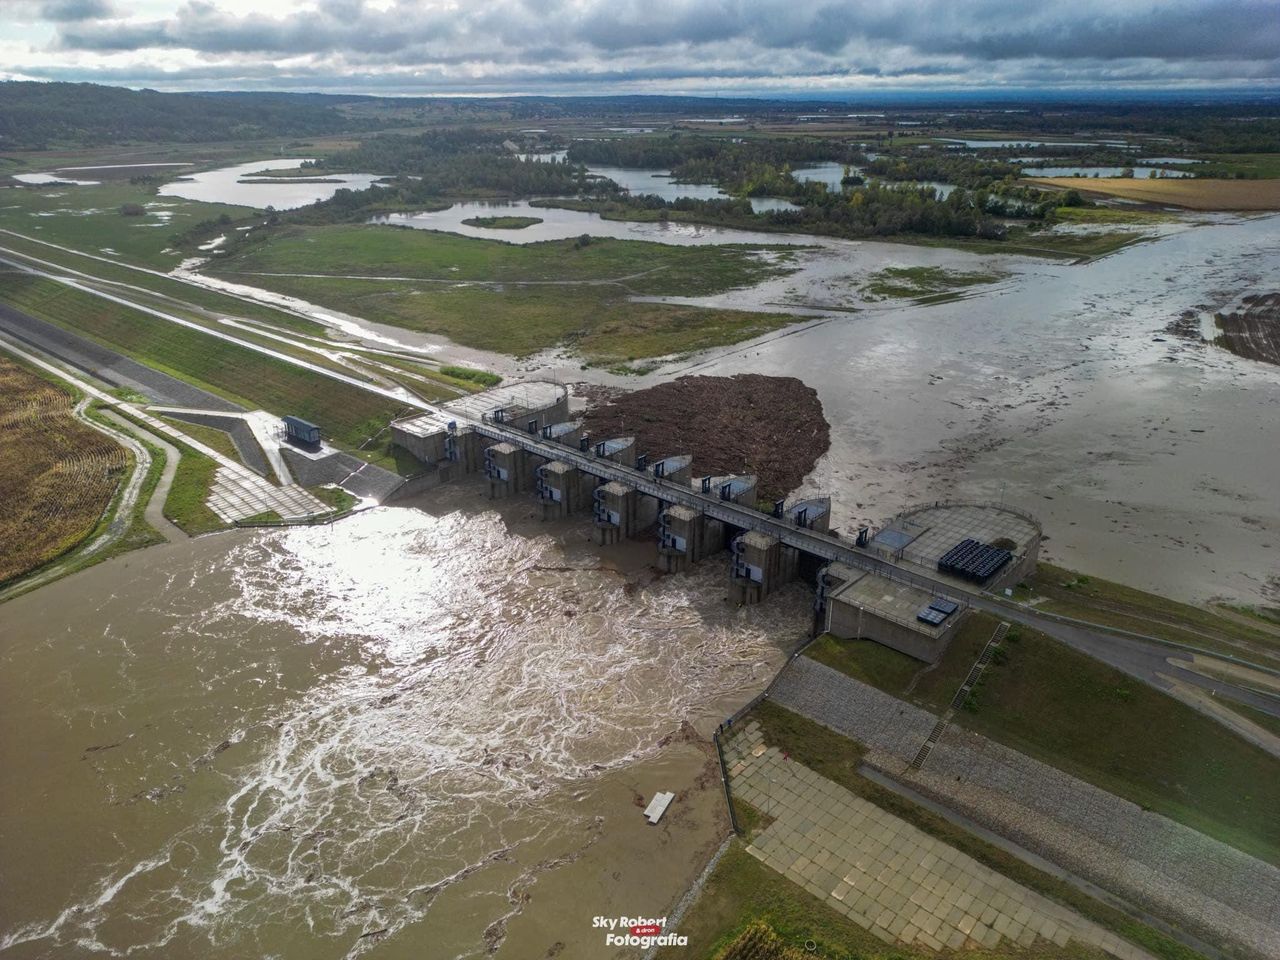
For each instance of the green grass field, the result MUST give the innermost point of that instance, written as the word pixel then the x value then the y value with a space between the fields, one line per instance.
pixel 912 282
pixel 1082 716
pixel 502 223
pixel 89 219
pixel 1261 165
pixel 348 414
pixel 185 504
pixel 598 322
pixel 515 299
pixel 652 269
pixel 1111 215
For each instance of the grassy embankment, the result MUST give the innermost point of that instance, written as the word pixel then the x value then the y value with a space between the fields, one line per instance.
pixel 78 220
pixel 515 299
pixel 58 477
pixel 924 284
pixel 352 417
pixel 502 223
pixel 742 889
pixel 212 437
pixel 1110 215
pixel 1242 632
pixel 1096 723
pixel 185 505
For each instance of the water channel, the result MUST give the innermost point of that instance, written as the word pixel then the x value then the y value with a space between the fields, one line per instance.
pixel 427 730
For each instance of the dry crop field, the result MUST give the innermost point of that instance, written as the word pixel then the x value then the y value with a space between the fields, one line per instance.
pixel 56 475
pixel 1192 193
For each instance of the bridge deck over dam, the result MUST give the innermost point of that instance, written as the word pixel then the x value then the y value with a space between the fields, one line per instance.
pixel 891 587
pixel 826 546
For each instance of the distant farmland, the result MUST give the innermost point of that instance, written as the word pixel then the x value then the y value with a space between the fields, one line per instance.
pixel 1194 194
pixel 57 476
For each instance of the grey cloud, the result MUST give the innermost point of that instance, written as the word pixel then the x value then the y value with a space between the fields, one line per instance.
pixel 481 43
pixel 62 11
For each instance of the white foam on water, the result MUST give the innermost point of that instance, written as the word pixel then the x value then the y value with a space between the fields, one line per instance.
pixel 481 680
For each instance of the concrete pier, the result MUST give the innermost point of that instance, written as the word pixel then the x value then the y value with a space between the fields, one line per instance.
pixel 562 489
pixel 730 489
pixel 759 564
pixel 568 432
pixel 686 536
pixel 615 512
pixel 811 514
pixel 507 467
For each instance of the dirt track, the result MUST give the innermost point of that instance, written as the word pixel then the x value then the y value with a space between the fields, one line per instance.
pixel 772 427
pixel 1254 332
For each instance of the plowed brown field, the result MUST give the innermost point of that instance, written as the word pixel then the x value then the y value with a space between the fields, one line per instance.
pixel 56 474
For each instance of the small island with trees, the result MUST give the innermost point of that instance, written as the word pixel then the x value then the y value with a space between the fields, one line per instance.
pixel 502 223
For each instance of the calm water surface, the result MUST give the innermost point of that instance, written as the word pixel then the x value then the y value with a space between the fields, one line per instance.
pixel 225 186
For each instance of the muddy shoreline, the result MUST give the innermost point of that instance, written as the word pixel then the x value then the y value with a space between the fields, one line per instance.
pixel 1253 332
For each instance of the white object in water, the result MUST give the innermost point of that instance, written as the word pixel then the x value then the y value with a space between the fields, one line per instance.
pixel 658 806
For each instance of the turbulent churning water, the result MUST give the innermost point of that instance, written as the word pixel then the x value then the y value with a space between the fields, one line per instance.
pixel 384 736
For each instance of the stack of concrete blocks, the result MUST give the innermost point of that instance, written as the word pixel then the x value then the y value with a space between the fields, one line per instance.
pixel 562 489
pixel 759 564
pixel 615 512
pixel 508 469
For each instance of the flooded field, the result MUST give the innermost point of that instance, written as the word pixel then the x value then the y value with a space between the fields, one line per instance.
pixel 1104 172
pixel 227 185
pixel 425 731
pixel 1151 458
pixel 558 224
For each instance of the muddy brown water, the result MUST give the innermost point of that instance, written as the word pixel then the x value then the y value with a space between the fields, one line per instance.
pixel 416 733
pixel 1151 458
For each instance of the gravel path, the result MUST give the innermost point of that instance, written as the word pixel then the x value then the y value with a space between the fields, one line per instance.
pixel 1166 867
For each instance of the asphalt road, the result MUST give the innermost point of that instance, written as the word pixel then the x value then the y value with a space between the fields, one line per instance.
pixel 1143 659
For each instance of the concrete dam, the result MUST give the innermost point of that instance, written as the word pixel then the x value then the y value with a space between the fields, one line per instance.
pixel 907 585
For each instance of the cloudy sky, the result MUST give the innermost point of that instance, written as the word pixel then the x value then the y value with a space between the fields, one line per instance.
pixel 648 46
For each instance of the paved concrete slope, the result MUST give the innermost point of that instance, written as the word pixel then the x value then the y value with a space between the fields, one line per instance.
pixel 885 874
pixel 1165 867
